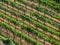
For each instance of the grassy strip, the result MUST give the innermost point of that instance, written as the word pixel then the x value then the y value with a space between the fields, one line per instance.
pixel 38 16
pixel 43 10
pixel 37 24
pixel 3 38
pixel 35 7
pixel 18 33
pixel 31 30
pixel 6 40
pixel 44 19
pixel 45 28
pixel 13 4
pixel 49 3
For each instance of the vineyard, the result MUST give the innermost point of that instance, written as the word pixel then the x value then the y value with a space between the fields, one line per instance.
pixel 30 22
